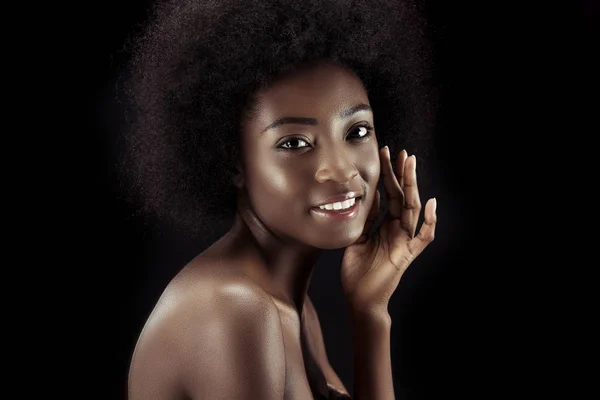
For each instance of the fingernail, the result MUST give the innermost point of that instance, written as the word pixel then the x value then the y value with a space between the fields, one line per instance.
pixel 387 150
pixel 434 204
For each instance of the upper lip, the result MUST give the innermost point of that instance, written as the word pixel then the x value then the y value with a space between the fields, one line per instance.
pixel 339 198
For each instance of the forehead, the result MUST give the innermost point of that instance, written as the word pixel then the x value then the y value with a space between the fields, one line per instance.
pixel 325 88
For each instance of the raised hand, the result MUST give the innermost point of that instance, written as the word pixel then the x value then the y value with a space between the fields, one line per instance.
pixel 373 265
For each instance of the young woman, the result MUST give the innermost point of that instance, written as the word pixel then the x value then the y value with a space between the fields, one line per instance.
pixel 274 114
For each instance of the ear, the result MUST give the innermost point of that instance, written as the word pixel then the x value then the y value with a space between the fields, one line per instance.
pixel 238 178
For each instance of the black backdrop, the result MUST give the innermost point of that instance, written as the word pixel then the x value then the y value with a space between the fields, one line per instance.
pixel 446 334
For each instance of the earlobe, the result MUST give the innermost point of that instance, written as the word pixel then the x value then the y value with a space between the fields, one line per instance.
pixel 238 178
pixel 238 181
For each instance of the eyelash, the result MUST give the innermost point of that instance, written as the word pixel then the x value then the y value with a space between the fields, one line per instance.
pixel 368 127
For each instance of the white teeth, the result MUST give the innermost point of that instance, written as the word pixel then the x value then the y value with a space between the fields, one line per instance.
pixel 339 205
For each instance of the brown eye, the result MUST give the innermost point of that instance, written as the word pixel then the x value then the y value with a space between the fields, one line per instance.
pixel 360 132
pixel 291 144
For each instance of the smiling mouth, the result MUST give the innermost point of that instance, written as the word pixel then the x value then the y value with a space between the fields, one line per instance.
pixel 340 205
pixel 341 213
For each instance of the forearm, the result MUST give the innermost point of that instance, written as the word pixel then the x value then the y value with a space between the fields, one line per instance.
pixel 372 356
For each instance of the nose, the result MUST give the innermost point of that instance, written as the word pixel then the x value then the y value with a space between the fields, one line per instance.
pixel 336 166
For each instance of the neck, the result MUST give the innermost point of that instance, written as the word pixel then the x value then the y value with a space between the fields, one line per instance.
pixel 279 265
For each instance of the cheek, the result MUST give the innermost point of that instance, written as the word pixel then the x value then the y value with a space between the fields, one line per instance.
pixel 278 197
pixel 373 171
pixel 371 166
pixel 273 183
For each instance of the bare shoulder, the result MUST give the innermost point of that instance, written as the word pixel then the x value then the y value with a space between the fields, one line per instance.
pixel 212 334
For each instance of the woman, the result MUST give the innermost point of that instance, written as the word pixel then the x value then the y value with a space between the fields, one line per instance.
pixel 264 112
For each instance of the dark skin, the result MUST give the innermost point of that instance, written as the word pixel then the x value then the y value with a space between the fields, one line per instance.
pixel 236 322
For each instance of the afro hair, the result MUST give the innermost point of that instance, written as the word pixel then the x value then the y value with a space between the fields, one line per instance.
pixel 195 65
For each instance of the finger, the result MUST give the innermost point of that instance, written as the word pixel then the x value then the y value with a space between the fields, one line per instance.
pixel 393 192
pixel 412 203
pixel 400 162
pixel 427 231
pixel 371 218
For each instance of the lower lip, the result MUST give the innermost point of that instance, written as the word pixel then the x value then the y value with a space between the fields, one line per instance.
pixel 348 213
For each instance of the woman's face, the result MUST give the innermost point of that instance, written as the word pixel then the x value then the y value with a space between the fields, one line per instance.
pixel 310 139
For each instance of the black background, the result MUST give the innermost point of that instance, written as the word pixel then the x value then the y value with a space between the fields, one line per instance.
pixel 449 319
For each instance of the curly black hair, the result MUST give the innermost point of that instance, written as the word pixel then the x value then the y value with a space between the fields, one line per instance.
pixel 196 64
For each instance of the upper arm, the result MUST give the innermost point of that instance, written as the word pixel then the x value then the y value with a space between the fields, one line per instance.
pixel 221 342
pixel 238 351
pixel 155 369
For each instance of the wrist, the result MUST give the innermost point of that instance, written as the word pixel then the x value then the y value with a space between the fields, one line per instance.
pixel 371 316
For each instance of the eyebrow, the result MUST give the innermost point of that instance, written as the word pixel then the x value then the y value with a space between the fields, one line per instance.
pixel 313 121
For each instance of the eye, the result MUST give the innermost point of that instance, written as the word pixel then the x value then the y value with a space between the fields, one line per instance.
pixel 363 131
pixel 291 144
